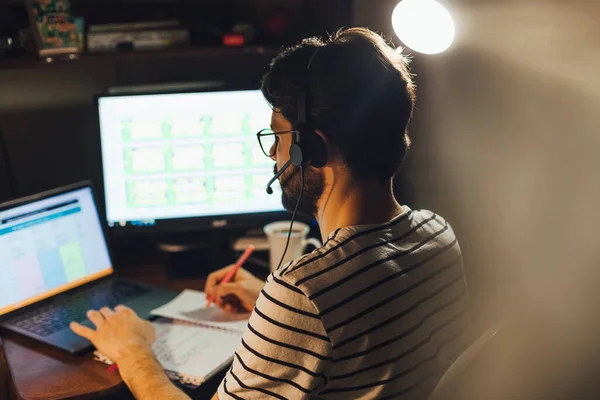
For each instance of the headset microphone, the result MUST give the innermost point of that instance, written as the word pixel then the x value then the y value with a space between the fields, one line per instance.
pixel 277 175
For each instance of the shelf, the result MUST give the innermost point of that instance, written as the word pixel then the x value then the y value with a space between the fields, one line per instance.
pixel 22 2
pixel 29 60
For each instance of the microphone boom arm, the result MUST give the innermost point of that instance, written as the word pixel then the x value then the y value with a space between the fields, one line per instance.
pixel 277 175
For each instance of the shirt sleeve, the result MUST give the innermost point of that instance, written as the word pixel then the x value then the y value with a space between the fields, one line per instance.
pixel 284 349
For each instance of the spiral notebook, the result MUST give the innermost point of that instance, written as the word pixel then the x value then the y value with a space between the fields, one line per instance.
pixel 189 306
pixel 193 343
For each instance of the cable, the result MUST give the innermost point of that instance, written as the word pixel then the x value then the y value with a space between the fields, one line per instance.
pixel 293 216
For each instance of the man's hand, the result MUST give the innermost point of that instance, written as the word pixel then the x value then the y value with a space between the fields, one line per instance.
pixel 127 340
pixel 120 334
pixel 244 288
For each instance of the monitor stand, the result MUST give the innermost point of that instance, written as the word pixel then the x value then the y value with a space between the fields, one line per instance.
pixel 196 254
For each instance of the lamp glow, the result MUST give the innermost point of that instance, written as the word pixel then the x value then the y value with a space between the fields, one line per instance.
pixel 425 26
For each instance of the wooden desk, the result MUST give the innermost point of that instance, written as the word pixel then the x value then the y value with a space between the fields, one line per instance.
pixel 40 372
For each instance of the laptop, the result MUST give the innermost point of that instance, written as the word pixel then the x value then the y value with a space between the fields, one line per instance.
pixel 55 265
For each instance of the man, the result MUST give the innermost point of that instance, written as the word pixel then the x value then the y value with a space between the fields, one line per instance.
pixel 380 310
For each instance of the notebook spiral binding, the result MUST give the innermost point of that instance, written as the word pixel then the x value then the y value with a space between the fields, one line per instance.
pixel 189 381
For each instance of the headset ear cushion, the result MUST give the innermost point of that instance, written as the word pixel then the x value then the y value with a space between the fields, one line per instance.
pixel 318 150
pixel 296 156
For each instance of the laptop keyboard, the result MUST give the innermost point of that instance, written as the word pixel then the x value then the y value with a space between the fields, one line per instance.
pixel 58 315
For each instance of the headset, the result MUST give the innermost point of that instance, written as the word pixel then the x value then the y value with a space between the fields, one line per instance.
pixel 307 149
pixel 307 146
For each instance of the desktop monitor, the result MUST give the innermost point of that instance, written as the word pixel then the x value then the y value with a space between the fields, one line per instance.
pixel 186 161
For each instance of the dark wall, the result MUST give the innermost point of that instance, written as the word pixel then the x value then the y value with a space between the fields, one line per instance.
pixel 48 119
pixel 5 188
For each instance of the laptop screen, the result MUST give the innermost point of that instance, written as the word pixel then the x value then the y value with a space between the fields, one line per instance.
pixel 49 246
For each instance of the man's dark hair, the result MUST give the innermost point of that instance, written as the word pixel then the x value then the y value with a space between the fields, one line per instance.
pixel 361 96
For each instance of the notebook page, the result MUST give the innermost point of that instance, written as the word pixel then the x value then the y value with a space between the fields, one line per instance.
pixel 193 351
pixel 189 306
pixel 190 354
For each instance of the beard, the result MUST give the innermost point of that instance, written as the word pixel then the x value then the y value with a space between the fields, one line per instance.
pixel 291 184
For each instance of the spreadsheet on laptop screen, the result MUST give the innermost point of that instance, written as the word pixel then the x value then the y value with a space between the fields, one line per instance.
pixel 49 246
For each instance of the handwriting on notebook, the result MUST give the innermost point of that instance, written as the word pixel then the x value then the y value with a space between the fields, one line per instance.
pixel 176 346
pixel 189 306
pixel 213 314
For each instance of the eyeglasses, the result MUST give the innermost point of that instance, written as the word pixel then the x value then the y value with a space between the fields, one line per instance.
pixel 268 140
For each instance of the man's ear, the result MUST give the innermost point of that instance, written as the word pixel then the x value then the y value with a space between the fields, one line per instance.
pixel 325 148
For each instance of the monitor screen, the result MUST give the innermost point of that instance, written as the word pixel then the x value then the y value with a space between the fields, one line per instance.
pixel 48 246
pixel 184 155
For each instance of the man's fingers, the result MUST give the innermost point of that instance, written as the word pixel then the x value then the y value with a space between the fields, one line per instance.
pixel 96 318
pixel 214 278
pixel 81 330
pixel 229 293
pixel 106 312
pixel 151 330
pixel 225 289
pixel 123 309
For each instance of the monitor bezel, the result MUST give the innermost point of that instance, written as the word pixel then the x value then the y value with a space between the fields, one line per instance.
pixel 186 224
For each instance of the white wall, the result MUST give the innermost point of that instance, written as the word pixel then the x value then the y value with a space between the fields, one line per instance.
pixel 507 147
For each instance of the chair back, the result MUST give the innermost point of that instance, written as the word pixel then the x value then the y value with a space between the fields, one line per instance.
pixel 450 381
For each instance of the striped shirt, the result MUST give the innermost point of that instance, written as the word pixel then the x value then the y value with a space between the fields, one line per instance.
pixel 379 311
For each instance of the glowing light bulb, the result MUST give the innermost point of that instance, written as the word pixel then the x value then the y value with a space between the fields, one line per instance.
pixel 425 26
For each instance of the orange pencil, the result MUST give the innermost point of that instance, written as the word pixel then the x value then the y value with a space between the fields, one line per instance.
pixel 113 368
pixel 234 270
